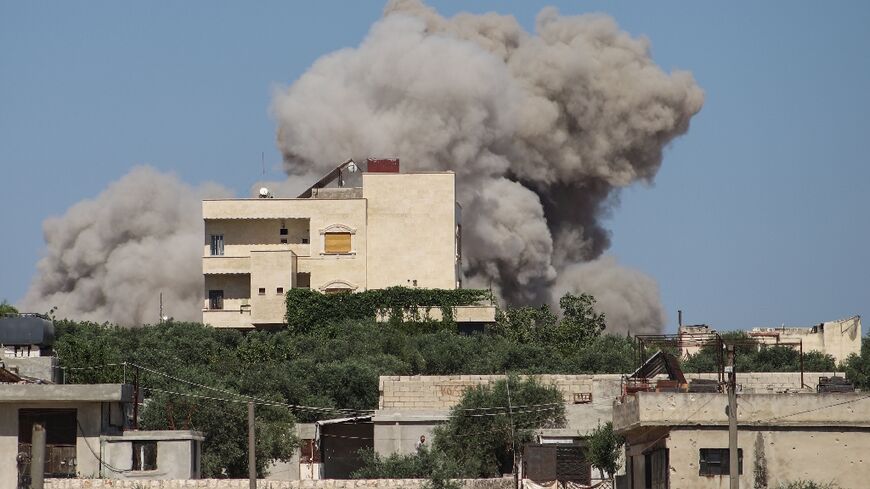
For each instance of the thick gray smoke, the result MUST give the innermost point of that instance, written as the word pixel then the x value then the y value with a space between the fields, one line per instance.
pixel 108 259
pixel 542 129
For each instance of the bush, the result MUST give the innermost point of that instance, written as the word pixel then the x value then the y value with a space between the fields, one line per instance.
pixel 308 309
pixel 807 485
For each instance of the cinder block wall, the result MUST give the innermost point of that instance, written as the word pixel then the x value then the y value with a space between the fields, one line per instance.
pixel 444 391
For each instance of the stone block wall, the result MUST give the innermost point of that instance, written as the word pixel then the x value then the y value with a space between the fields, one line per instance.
pixel 444 391
pixel 503 483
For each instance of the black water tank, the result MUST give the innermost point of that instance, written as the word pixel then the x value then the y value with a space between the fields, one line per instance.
pixel 26 329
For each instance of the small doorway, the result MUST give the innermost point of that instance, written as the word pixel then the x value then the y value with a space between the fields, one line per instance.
pixel 60 441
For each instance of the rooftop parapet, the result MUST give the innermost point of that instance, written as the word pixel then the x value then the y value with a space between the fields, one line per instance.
pixel 648 409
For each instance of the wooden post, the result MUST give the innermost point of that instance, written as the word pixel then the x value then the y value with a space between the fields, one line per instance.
pixel 252 445
pixel 733 451
pixel 37 456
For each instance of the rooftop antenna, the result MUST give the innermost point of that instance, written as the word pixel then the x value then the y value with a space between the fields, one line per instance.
pixel 263 161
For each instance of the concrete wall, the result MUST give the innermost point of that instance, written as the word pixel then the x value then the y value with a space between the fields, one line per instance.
pixel 89 417
pixel 36 367
pixel 412 223
pixel 444 391
pixel 271 270
pixel 178 454
pixel 821 455
pixel 646 409
pixel 504 483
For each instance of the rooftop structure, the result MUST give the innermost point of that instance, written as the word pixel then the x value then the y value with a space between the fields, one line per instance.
pixel 395 229
pixel 680 440
pixel 839 338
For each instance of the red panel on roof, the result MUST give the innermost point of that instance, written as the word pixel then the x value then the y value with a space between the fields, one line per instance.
pixel 385 165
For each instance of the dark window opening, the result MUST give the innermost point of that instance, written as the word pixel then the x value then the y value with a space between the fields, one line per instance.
pixel 283 232
pixel 283 240
pixel 262 291
pixel 60 439
pixel 216 299
pixel 279 290
pixel 217 245
pixel 303 280
pixel 304 240
pixel 144 455
pixel 716 461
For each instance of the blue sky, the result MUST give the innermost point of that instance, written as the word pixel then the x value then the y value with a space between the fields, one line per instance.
pixel 757 217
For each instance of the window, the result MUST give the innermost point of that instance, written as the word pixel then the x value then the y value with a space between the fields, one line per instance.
pixel 304 240
pixel 283 232
pixel 144 455
pixel 283 240
pixel 279 290
pixel 656 469
pixel 262 291
pixel 217 245
pixel 715 461
pixel 336 243
pixel 215 299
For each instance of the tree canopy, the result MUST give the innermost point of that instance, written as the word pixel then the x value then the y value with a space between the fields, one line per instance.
pixel 7 308
pixel 199 377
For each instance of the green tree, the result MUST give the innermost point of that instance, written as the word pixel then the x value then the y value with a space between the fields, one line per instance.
pixel 579 322
pixel 7 308
pixel 603 448
pixel 482 432
pixel 857 367
pixel 525 324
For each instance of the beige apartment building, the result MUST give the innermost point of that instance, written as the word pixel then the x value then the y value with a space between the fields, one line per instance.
pixel 394 229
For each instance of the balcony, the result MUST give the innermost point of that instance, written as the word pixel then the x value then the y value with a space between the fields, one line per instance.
pixel 228 318
pixel 214 265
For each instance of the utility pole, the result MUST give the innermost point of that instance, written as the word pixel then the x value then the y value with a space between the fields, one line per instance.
pixel 37 456
pixel 513 439
pixel 252 459
pixel 160 319
pixel 136 398
pixel 733 451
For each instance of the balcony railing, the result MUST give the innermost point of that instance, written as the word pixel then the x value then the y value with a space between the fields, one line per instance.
pixel 226 265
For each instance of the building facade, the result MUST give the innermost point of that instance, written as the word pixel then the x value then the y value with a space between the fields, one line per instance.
pixel 396 229
pixel 839 338
pixel 680 440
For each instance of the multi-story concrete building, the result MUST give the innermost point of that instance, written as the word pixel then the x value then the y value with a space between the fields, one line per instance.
pixel 395 229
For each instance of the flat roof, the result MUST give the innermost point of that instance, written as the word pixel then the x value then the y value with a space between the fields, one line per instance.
pixel 65 393
pixel 156 435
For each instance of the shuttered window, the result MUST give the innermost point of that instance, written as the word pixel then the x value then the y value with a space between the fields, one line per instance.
pixel 336 243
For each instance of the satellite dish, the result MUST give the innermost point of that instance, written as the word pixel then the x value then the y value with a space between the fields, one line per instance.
pixel 352 167
pixel 264 192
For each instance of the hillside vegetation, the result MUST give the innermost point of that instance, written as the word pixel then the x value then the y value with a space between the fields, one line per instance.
pixel 199 377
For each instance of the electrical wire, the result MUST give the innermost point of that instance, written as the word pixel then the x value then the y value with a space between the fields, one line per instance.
pixel 251 398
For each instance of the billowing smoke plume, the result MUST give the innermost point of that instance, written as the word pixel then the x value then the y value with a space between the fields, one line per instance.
pixel 542 130
pixel 108 259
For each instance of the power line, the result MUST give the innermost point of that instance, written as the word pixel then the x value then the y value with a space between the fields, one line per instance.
pixel 251 398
